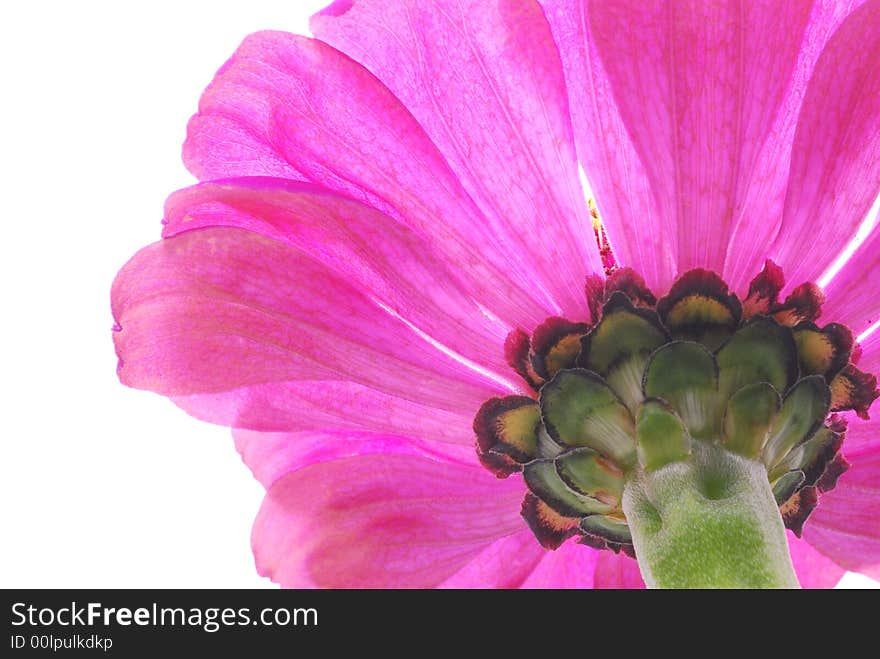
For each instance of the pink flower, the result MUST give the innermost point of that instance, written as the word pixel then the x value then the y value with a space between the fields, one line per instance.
pixel 383 205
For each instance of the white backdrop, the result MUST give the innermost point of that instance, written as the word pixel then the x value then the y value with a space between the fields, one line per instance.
pixel 100 485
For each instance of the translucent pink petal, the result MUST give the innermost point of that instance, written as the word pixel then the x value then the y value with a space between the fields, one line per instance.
pixel 386 260
pixel 518 561
pixel 846 524
pixel 328 405
pixel 613 168
pixel 381 520
pixel 617 571
pixel 851 296
pixel 484 79
pixel 570 566
pixel 758 222
pixel 835 165
pixel 506 563
pixel 870 359
pixel 334 123
pixel 862 436
pixel 813 569
pixel 271 456
pixel 216 309
pixel 699 86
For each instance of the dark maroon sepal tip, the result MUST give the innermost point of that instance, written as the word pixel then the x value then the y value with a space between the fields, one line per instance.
pixel 550 528
pixel 842 339
pixel 600 543
pixel 764 290
pixel 594 288
pixel 797 509
pixel 516 352
pixel 814 471
pixel 547 335
pixel 499 464
pixel 841 336
pixel 631 284
pixel 835 469
pixel 616 301
pixel 862 392
pixel 837 424
pixel 856 353
pixel 804 303
pixel 704 283
pixel 484 422
pixel 619 300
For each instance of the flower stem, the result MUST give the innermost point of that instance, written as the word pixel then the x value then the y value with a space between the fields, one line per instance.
pixel 711 522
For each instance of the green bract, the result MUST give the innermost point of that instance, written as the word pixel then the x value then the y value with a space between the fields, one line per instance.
pixel 687 390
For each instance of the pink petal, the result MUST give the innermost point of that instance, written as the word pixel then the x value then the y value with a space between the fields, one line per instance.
pixel 870 359
pixel 216 309
pixel 846 524
pixel 835 165
pixel 571 566
pixel 851 296
pixel 862 436
pixel 381 520
pixel 612 166
pixel 484 79
pixel 271 456
pixel 758 223
pixel 699 86
pixel 506 563
pixel 305 104
pixel 813 569
pixel 617 571
pixel 518 561
pixel 384 259
pixel 328 405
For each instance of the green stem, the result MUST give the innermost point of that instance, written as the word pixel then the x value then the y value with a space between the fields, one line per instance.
pixel 711 522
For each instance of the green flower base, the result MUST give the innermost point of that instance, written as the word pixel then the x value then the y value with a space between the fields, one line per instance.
pixel 710 522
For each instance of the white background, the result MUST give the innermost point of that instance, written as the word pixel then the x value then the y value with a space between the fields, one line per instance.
pixel 100 485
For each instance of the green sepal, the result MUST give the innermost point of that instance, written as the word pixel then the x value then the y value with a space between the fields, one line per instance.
pixel 822 351
pixel 547 446
pixel 623 331
pixel 761 351
pixel 811 456
pixel 786 485
pixel 619 346
pixel 555 345
pixel 544 481
pixel 588 473
pixel 550 528
pixel 684 374
pixel 798 508
pixel 625 378
pixel 580 409
pixel 699 307
pixel 612 529
pixel 507 432
pixel 804 408
pixel 662 437
pixel 748 417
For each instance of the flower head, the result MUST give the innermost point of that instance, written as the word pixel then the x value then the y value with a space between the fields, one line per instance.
pixel 391 230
